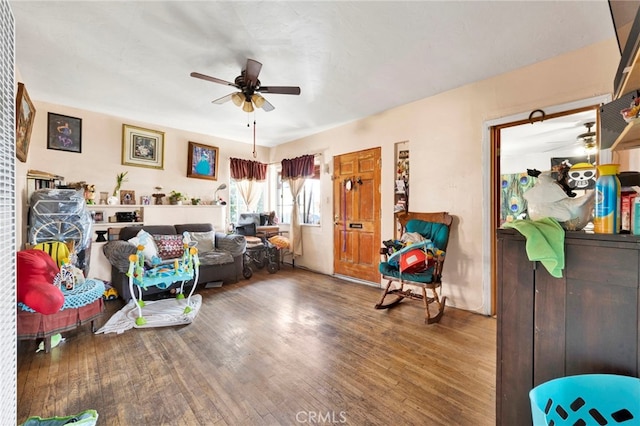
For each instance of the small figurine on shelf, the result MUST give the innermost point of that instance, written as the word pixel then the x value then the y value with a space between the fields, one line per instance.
pixel 158 196
pixel 90 194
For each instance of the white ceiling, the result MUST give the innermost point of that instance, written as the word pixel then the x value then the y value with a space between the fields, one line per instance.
pixel 351 59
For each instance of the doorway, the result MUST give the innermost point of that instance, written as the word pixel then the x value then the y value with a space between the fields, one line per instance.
pixel 555 120
pixel 356 212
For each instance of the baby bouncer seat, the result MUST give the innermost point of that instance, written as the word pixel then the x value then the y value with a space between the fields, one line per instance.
pixel 402 267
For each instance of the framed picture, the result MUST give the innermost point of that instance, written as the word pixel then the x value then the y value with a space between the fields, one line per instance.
pixel 145 200
pixel 64 133
pixel 25 113
pixel 97 216
pixel 127 197
pixel 142 147
pixel 202 161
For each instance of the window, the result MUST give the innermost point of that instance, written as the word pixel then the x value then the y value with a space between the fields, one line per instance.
pixel 237 204
pixel 308 200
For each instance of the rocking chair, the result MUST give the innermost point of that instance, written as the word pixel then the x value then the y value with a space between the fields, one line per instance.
pixel 435 228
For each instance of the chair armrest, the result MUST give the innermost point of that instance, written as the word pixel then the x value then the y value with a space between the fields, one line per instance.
pixel 384 254
pixel 117 253
pixel 439 263
pixel 233 243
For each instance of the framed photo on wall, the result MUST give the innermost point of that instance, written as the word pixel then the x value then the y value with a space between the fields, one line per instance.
pixel 25 113
pixel 142 147
pixel 64 133
pixel 202 161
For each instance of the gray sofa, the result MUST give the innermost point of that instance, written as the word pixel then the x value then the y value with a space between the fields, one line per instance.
pixel 223 263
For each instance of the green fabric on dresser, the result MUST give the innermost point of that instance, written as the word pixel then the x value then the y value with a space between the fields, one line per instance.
pixel 545 242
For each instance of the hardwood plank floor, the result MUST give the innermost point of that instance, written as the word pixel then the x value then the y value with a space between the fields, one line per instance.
pixel 290 348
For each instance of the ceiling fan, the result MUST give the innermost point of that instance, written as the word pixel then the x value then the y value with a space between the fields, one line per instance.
pixel 249 88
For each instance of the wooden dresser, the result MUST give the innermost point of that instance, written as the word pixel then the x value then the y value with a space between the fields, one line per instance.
pixel 585 322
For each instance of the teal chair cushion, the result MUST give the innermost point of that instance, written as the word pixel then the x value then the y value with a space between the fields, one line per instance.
pixel 438 233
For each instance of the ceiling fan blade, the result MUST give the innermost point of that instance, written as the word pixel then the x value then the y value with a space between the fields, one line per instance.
pixel 214 79
pixel 223 99
pixel 266 106
pixel 282 90
pixel 251 72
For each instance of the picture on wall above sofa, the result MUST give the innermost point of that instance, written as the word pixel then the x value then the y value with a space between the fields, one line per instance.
pixel 202 161
pixel 142 147
pixel 64 133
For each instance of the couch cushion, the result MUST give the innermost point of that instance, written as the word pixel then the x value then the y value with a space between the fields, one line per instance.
pixel 205 241
pixel 169 246
pixel 145 239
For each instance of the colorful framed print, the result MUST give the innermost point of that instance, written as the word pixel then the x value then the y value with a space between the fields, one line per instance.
pixel 202 161
pixel 142 147
pixel 25 114
pixel 64 133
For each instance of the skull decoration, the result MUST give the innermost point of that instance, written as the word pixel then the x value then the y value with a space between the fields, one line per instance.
pixel 582 176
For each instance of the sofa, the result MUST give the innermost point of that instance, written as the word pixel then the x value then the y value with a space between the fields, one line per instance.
pixel 221 255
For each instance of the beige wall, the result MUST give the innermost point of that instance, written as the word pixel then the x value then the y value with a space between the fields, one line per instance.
pixel 100 160
pixel 445 134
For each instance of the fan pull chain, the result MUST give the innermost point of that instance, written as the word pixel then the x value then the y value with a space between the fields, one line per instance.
pixel 254 139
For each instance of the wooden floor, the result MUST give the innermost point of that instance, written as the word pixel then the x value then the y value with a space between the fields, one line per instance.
pixel 290 348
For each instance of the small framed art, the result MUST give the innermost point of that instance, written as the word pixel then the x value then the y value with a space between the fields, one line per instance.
pixel 202 161
pixel 142 147
pixel 127 197
pixel 25 113
pixel 97 216
pixel 64 133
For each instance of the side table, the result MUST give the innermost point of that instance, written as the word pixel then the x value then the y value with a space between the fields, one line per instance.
pixel 82 304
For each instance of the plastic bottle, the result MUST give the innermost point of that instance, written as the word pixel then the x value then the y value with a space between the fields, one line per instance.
pixel 635 216
pixel 606 217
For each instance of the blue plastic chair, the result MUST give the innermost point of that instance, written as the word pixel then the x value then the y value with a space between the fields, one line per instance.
pixel 588 399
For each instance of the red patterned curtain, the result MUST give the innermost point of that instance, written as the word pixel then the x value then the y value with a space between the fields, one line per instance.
pixel 248 170
pixel 298 167
pixel 296 171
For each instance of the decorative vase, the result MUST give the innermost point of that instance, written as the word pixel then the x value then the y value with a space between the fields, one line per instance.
pixel 113 200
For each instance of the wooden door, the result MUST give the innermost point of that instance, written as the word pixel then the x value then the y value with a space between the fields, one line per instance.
pixel 356 212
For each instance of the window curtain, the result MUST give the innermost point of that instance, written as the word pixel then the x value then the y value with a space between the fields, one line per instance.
pixel 295 171
pixel 250 176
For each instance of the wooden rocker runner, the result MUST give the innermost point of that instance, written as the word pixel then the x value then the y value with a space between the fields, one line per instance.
pixel 397 268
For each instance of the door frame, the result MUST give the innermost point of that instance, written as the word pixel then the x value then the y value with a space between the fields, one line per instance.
pixel 489 191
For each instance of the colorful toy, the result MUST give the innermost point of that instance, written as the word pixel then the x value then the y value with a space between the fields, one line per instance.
pixel 163 275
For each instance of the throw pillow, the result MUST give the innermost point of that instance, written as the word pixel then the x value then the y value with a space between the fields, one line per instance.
pixel 144 238
pixel 279 241
pixel 205 240
pixel 169 246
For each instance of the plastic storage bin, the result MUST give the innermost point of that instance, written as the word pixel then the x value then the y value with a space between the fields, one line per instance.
pixel 589 399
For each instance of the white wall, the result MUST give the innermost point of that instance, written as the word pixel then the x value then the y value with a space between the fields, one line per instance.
pixel 445 133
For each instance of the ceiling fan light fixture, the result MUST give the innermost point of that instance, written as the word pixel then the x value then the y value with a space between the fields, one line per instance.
pixel 247 107
pixel 258 100
pixel 237 99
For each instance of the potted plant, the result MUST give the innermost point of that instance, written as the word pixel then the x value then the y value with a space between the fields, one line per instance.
pixel 195 201
pixel 115 199
pixel 176 197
